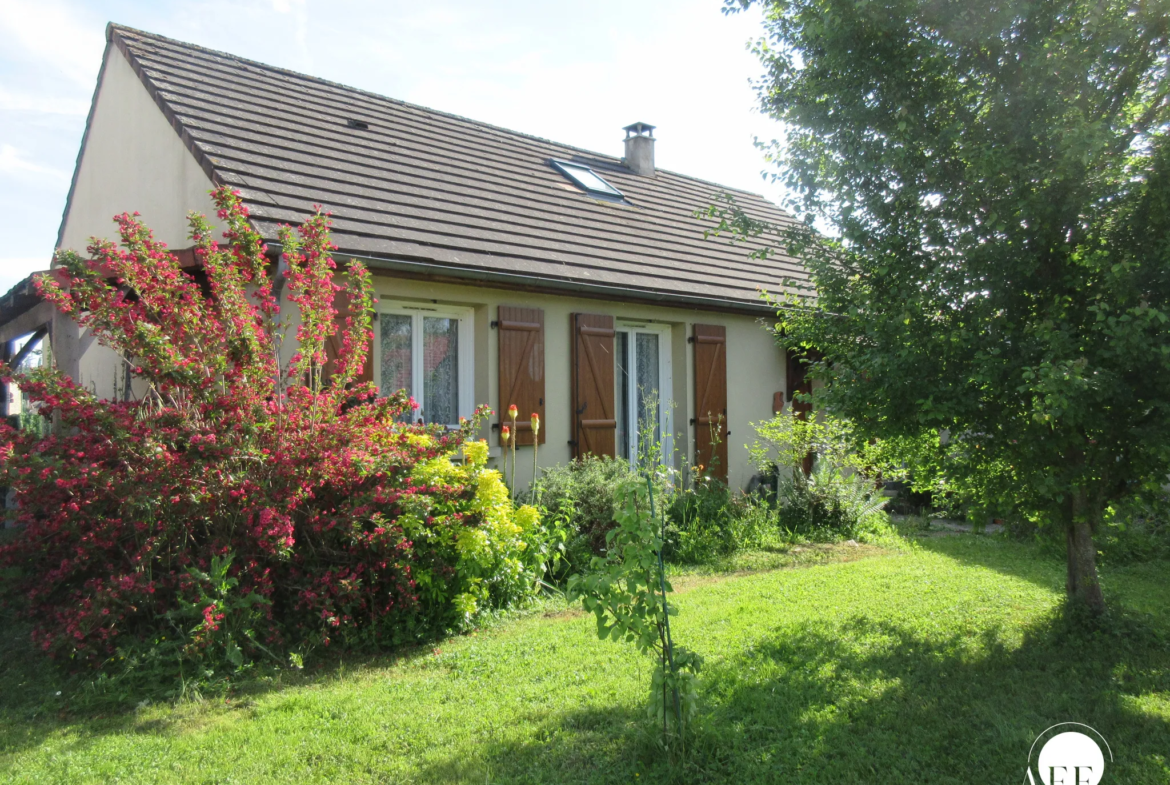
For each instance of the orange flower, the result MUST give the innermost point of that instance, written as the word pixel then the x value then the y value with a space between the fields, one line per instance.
pixel 505 434
pixel 535 422
pixel 513 412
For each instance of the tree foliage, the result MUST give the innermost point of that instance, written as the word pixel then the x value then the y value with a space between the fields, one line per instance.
pixel 997 181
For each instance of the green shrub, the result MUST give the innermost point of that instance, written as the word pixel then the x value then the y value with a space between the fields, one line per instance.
pixel 709 521
pixel 1136 532
pixel 828 504
pixel 1131 533
pixel 579 498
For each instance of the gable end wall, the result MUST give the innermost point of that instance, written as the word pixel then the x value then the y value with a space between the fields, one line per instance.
pixel 132 160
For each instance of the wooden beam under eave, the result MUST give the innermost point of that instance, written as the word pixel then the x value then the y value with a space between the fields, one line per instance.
pixel 28 322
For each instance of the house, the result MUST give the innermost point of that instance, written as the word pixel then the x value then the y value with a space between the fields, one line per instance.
pixel 509 269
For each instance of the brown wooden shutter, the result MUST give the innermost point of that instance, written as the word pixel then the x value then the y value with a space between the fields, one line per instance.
pixel 333 342
pixel 522 368
pixel 798 383
pixel 711 398
pixel 594 425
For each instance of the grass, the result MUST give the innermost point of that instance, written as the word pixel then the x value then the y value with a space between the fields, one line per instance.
pixel 935 663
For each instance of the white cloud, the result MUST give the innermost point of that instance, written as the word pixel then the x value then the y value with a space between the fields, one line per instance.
pixel 60 36
pixel 13 163
pixel 38 103
pixel 299 11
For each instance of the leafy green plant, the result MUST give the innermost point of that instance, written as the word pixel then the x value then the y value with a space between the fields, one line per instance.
pixel 837 497
pixel 790 436
pixel 707 521
pixel 627 591
pixel 582 497
pixel 226 617
pixel 828 504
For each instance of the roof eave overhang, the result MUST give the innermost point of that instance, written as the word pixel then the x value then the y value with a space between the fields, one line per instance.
pixel 429 270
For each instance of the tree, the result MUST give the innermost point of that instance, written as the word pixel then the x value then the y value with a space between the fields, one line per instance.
pixel 997 180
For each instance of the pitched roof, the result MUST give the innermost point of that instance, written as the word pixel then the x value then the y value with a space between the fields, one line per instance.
pixel 431 193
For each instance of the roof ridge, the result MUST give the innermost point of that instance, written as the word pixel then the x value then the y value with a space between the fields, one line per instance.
pixel 113 27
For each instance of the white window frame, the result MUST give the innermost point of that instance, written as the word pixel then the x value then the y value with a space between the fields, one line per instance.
pixel 665 385
pixel 465 316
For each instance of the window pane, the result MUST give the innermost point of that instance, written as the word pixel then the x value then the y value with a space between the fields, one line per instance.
pixel 622 393
pixel 649 395
pixel 396 353
pixel 441 370
pixel 590 181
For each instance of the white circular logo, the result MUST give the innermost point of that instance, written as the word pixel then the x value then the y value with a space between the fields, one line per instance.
pixel 1071 758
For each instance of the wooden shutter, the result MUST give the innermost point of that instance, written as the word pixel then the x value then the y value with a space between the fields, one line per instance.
pixel 594 424
pixel 798 383
pixel 333 342
pixel 711 398
pixel 522 368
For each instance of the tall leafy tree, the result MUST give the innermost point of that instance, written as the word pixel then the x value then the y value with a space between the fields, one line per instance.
pixel 997 180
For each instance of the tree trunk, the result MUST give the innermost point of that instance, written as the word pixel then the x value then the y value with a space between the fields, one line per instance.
pixel 1083 584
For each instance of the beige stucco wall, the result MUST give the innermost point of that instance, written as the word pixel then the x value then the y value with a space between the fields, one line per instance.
pixel 133 161
pixel 755 364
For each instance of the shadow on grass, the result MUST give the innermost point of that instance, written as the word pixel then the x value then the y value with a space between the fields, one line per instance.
pixel 1043 564
pixel 1026 560
pixel 39 698
pixel 861 701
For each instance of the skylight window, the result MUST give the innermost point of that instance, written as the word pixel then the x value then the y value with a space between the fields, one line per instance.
pixel 587 180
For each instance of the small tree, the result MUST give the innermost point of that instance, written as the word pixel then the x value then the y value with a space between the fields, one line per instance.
pixel 997 177
pixel 627 591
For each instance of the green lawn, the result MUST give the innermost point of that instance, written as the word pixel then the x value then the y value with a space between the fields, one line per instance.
pixel 938 663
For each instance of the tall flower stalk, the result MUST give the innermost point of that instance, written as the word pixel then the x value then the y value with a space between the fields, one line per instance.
pixel 535 449
pixel 505 439
pixel 513 413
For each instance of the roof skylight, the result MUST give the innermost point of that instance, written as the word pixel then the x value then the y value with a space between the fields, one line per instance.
pixel 586 179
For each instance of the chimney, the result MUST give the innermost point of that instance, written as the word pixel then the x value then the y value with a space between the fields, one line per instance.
pixel 640 148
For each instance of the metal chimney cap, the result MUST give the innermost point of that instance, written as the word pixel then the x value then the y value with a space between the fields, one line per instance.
pixel 637 129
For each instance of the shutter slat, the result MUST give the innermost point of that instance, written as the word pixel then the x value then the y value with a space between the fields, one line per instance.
pixel 521 336
pixel 505 324
pixel 711 398
pixel 594 424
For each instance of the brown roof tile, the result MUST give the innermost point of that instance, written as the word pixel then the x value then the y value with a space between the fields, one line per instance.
pixel 431 193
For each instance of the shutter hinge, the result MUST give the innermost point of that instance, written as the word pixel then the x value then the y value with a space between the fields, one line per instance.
pixel 495 324
pixel 693 421
pixel 691 339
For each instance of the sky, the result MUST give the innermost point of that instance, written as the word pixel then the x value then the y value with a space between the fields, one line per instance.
pixel 574 72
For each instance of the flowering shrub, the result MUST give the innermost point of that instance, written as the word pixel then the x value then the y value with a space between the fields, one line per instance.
pixel 244 508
